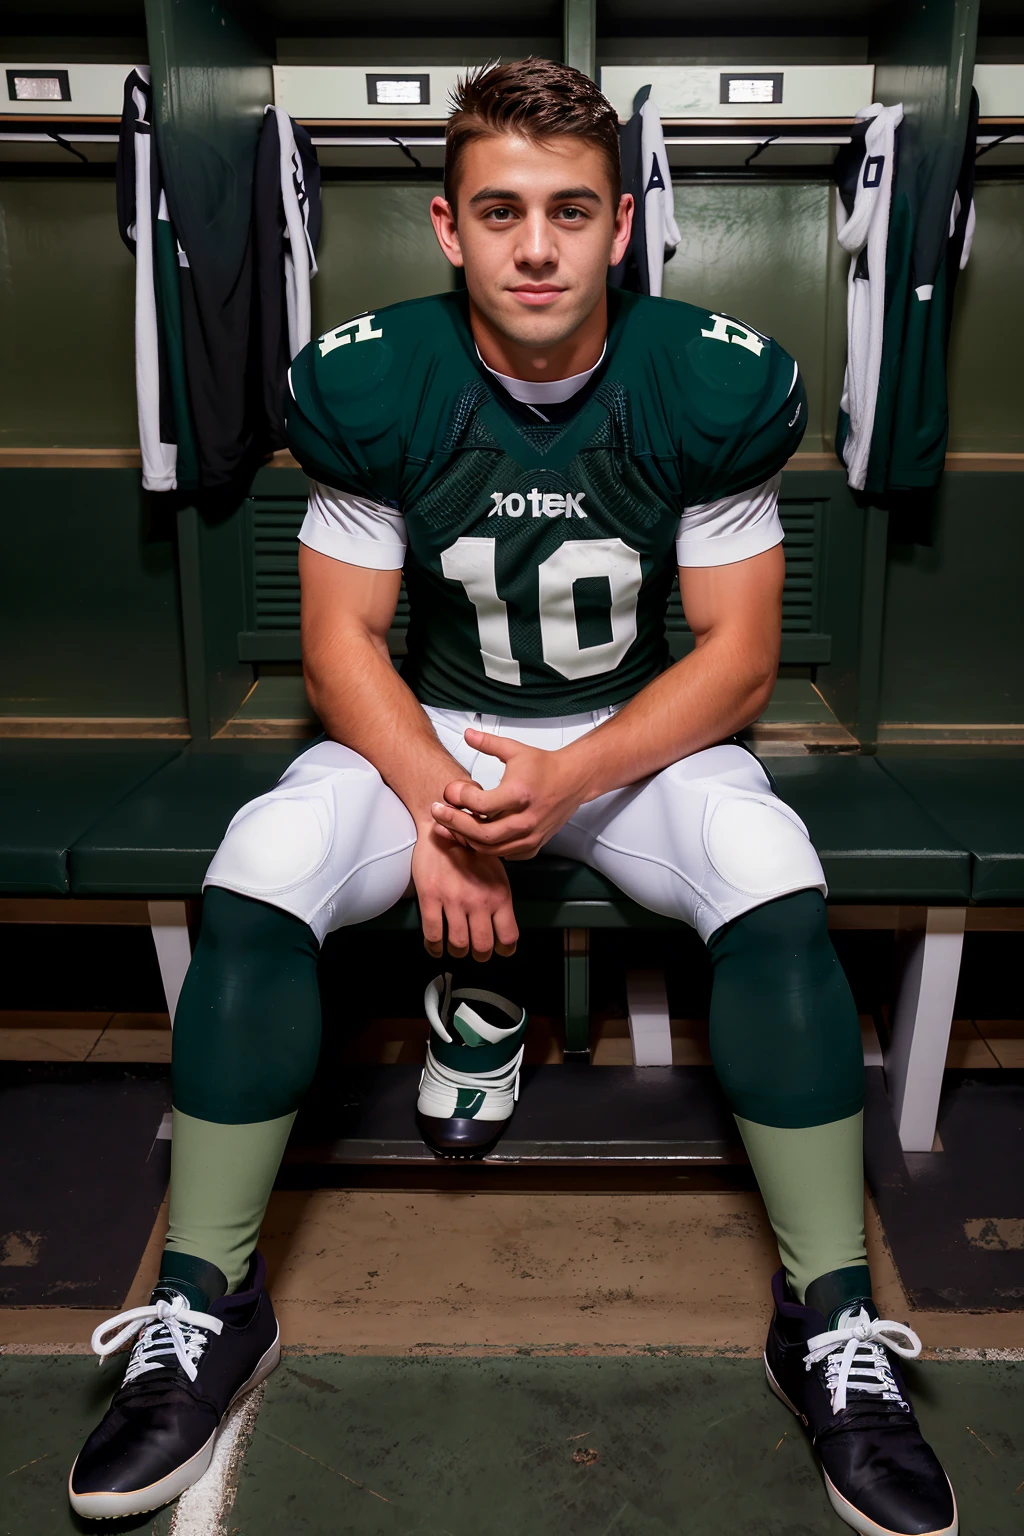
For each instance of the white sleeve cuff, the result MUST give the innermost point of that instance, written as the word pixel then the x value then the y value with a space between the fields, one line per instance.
pixel 354 530
pixel 731 529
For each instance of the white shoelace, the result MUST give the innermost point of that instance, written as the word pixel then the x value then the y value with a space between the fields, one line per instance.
pixel 857 1359
pixel 162 1334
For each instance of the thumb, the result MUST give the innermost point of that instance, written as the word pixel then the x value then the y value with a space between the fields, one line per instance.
pixel 494 746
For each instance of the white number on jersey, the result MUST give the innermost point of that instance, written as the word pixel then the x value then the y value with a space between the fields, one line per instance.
pixel 359 329
pixel 471 561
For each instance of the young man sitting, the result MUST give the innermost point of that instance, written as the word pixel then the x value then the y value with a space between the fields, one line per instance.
pixel 540 456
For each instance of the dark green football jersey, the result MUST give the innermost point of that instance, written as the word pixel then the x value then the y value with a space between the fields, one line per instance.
pixel 541 555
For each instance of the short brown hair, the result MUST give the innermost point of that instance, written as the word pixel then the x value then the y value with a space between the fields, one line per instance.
pixel 537 98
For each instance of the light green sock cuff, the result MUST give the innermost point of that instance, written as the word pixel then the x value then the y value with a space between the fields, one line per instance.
pixel 812 1183
pixel 221 1179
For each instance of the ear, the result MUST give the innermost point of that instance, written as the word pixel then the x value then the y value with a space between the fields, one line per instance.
pixel 442 216
pixel 623 229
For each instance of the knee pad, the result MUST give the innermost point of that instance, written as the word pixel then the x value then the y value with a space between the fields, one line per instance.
pixel 273 845
pixel 758 846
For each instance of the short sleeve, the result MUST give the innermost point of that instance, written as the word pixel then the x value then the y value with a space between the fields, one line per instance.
pixel 745 414
pixel 353 529
pixel 732 528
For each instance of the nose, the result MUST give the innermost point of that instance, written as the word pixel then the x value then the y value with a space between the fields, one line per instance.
pixel 536 247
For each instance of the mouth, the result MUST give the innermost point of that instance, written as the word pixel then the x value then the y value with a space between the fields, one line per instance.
pixel 536 295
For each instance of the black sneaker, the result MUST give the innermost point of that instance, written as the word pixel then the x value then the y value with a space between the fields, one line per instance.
pixel 882 1477
pixel 184 1373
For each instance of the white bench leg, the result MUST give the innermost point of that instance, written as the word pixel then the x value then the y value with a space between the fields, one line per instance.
pixel 169 923
pixel 650 1029
pixel 921 1023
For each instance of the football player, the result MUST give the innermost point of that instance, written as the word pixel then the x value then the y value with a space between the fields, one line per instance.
pixel 541 456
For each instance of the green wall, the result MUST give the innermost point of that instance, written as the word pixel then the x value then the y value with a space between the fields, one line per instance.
pixel 986 380
pixel 953 637
pixel 377 247
pixel 66 296
pixel 761 252
pixel 89 623
pixel 67 372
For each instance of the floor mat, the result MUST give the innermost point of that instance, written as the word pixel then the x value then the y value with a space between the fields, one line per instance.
pixel 521 1447
pixel 954 1219
pixel 84 1173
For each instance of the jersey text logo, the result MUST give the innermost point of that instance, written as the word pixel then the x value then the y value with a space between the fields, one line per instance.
pixel 725 329
pixel 542 504
pixel 359 329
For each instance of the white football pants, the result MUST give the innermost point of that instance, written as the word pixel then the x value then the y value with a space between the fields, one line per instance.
pixel 704 840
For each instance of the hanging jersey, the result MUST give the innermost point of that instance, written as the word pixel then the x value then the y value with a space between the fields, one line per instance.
pixel 540 553
pixel 908 222
pixel 864 174
pixel 138 205
pixel 286 227
pixel 645 174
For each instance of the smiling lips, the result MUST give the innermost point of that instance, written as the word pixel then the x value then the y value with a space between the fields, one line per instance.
pixel 537 294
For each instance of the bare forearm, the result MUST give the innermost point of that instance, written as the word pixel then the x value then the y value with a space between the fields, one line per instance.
pixel 363 703
pixel 708 695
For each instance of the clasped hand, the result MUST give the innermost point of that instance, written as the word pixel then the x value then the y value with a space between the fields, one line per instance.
pixel 537 794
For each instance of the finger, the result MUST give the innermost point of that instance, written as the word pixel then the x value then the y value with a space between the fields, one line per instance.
pixel 432 923
pixel 517 852
pixel 458 933
pixel 477 834
pixel 481 934
pixel 485 802
pixel 502 747
pixel 506 929
pixel 448 836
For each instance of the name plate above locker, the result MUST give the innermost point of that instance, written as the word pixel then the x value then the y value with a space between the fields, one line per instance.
pixel 365 93
pixel 62 90
pixel 732 91
pixel 1000 90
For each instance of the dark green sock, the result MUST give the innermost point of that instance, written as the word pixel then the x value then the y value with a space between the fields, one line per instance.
pixel 246 1041
pixel 195 1279
pixel 785 1040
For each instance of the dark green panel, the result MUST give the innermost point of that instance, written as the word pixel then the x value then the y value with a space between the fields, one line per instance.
pixel 954 620
pixel 67 286
pixel 89 621
pixel 986 381
pixel 738 243
pixel 838 583
pixel 377 247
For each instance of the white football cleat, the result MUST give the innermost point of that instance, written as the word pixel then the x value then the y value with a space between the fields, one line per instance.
pixel 470 1083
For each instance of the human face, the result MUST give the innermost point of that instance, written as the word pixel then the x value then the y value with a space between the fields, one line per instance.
pixel 537 230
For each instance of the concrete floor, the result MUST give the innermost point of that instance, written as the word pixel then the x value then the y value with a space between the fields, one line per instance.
pixel 449 1351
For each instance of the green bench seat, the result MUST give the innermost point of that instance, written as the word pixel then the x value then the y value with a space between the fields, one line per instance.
pixel 159 841
pixel 51 793
pixel 876 843
pixel 980 802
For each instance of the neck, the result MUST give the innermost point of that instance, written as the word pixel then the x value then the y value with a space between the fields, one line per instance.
pixel 562 360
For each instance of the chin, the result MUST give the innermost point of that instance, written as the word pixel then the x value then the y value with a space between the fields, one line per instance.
pixel 539 328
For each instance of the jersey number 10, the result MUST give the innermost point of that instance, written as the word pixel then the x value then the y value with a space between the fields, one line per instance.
pixel 471 561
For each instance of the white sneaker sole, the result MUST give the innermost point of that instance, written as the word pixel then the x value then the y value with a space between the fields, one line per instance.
pixel 139 1501
pixel 844 1509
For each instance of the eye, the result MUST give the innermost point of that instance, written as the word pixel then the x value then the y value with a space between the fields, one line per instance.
pixel 572 215
pixel 500 215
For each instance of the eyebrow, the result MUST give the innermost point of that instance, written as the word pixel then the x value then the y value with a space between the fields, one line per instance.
pixel 569 194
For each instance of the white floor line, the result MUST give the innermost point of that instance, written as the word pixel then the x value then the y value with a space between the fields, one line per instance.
pixel 204 1509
